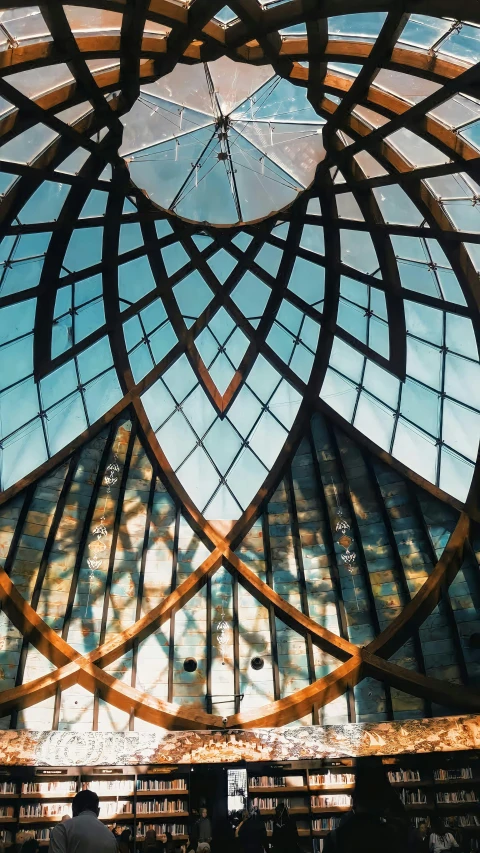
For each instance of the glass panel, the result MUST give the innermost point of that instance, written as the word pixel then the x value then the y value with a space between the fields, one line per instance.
pixel 269 149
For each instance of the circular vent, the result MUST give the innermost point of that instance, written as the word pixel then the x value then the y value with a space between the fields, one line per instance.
pixel 190 664
pixel 257 663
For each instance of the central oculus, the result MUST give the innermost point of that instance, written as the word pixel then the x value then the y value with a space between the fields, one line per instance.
pixel 222 142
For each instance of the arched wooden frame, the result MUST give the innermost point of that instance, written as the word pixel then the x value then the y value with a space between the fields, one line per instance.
pixel 194 37
pixel 357 663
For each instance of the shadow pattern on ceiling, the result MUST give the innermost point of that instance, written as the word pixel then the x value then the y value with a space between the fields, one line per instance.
pixel 357 589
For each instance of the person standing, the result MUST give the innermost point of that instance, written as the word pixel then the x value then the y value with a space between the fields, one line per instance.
pixel 151 844
pixel 378 822
pixel 253 835
pixel 420 839
pixel 84 831
pixel 285 835
pixel 202 829
pixel 124 841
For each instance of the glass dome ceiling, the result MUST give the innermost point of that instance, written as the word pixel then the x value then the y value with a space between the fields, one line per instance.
pixel 222 144
pixel 358 295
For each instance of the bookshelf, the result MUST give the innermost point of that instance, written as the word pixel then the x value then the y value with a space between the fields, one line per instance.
pixel 447 786
pixel 315 797
pixel 318 794
pixel 33 801
pixel 162 804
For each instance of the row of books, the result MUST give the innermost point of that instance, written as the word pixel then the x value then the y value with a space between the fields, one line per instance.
pixel 6 811
pixel 42 834
pixel 103 787
pixel 60 788
pixel 110 787
pixel 326 778
pixel 268 782
pixel 45 809
pixel 162 828
pixel 269 802
pixel 332 779
pixel 325 801
pixel 324 823
pixel 413 797
pixel 403 776
pixel 416 820
pixel 318 845
pixel 457 797
pixel 463 820
pixel 445 775
pixel 107 809
pixel 111 808
pixel 165 805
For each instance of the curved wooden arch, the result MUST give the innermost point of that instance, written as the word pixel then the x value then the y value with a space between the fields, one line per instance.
pixel 87 670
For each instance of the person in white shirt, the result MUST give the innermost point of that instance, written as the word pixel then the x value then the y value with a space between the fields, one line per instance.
pixel 440 838
pixel 84 832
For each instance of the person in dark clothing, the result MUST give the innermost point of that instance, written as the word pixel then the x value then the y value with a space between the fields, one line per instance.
pixel 285 835
pixel 420 842
pixel 124 841
pixel 378 822
pixel 187 846
pixel 31 845
pixel 252 834
pixel 202 829
pixel 170 845
pixel 223 839
pixel 151 844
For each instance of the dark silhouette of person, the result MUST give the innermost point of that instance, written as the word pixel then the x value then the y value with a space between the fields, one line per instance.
pixel 421 839
pixel 151 843
pixel 378 822
pixel 223 839
pixel 169 844
pixel 285 835
pixel 31 845
pixel 124 841
pixel 253 835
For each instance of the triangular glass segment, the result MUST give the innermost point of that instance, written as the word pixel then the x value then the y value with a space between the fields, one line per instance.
pixel 129 207
pixel 225 15
pixel 222 346
pixel 294 148
pixel 153 120
pixel 235 82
